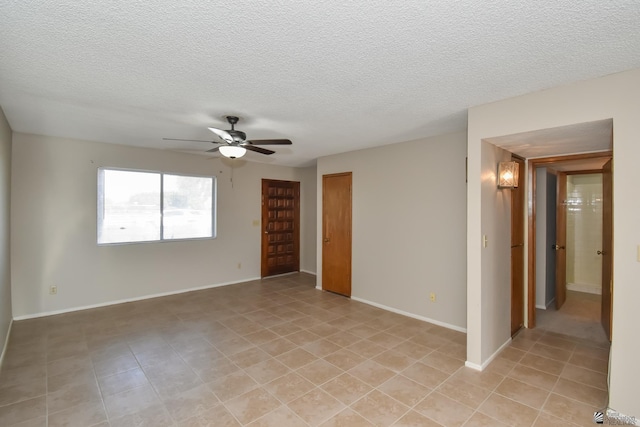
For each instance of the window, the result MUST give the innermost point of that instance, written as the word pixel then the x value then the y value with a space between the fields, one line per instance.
pixel 140 206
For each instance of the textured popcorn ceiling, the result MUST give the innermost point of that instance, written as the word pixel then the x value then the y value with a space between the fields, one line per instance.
pixel 332 76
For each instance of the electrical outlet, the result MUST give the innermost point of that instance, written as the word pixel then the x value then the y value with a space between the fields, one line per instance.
pixel 239 265
pixel 53 290
pixel 432 297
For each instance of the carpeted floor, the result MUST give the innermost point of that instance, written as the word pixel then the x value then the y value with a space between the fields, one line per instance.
pixel 578 317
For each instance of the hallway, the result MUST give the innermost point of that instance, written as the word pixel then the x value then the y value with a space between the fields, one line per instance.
pixel 579 317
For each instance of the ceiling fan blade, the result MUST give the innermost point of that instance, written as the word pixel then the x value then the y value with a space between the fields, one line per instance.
pixel 222 134
pixel 257 149
pixel 213 150
pixel 193 140
pixel 270 142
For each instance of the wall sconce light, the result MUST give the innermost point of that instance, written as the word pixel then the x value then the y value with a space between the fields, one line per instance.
pixel 508 173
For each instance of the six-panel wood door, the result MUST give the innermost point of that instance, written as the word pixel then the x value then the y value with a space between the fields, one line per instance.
pixel 336 233
pixel 280 227
pixel 607 247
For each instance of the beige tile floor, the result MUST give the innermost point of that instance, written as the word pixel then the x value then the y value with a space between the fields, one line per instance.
pixel 279 352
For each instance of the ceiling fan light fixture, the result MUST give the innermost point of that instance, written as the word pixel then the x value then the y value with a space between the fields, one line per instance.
pixel 232 151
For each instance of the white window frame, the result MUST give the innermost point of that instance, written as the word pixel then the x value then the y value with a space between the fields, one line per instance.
pixel 100 206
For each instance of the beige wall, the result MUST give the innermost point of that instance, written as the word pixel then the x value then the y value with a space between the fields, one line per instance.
pixel 54 227
pixel 496 280
pixel 5 258
pixel 618 97
pixel 408 226
pixel 308 221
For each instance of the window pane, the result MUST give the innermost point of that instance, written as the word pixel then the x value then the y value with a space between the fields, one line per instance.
pixel 188 202
pixel 128 206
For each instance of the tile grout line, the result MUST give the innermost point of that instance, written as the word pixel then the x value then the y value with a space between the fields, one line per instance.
pixel 104 405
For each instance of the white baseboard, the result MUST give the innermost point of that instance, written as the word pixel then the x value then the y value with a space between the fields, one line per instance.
pixel 473 366
pixel 584 287
pixel 414 316
pixel 489 360
pixel 546 307
pixel 6 344
pixel 150 296
pixel 313 273
pixel 281 275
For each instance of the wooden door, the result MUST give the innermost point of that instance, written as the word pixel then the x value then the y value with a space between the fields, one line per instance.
pixel 336 233
pixel 281 227
pixel 517 253
pixel 607 247
pixel 561 241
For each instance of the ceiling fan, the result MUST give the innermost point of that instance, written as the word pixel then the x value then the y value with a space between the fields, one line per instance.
pixel 234 143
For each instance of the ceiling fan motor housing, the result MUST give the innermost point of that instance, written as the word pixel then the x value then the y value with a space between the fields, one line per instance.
pixel 238 136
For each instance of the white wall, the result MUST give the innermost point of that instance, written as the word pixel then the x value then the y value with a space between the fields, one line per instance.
pixel 618 97
pixel 408 219
pixel 308 219
pixel 5 258
pixel 53 216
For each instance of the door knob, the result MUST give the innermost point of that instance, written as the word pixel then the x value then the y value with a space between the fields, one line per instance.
pixel 557 247
pixel 326 240
pixel 600 252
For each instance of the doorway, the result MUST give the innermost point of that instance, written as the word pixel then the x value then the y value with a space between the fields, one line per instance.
pixel 336 233
pixel 568 301
pixel 281 227
pixel 572 304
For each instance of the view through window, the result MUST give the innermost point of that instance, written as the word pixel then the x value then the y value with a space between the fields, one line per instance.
pixel 141 206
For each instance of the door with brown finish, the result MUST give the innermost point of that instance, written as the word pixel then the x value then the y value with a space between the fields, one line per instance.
pixel 607 247
pixel 336 233
pixel 280 227
pixel 561 241
pixel 517 253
